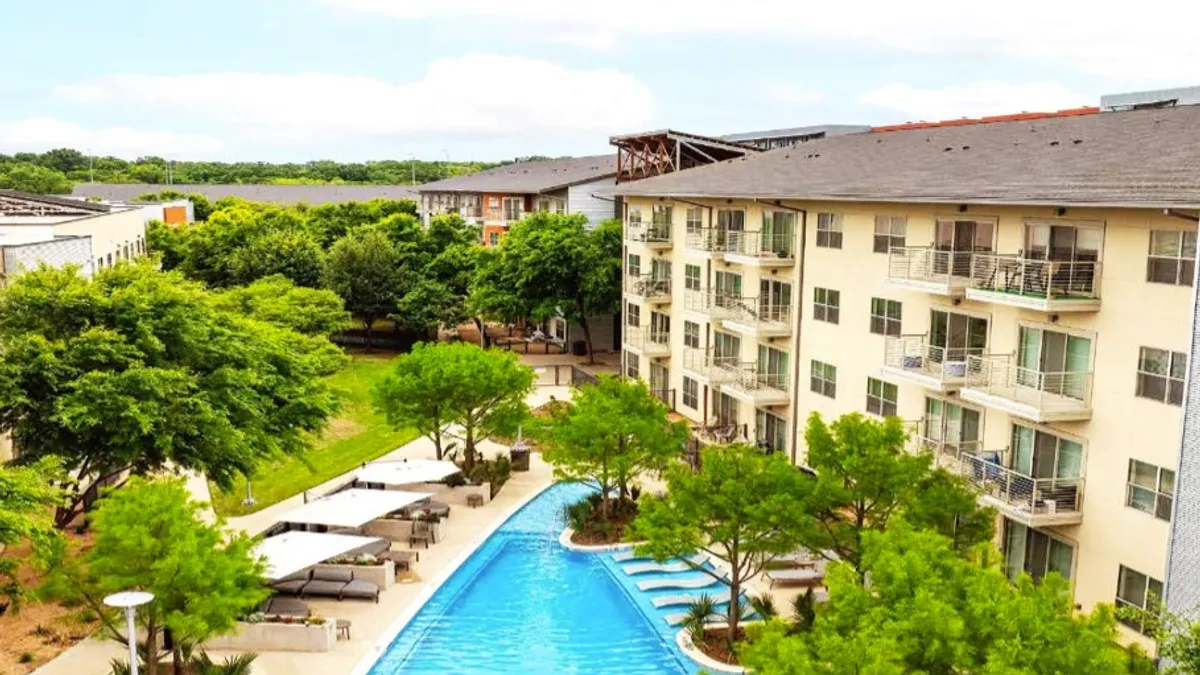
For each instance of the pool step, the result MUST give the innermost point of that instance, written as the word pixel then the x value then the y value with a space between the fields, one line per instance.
pixel 685 599
pixel 681 566
pixel 690 583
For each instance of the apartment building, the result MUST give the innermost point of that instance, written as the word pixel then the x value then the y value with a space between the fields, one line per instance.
pixel 59 230
pixel 500 197
pixel 1021 293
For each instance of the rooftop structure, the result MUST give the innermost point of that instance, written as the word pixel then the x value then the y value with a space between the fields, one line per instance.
pixel 529 177
pixel 654 153
pixel 315 195
pixel 781 138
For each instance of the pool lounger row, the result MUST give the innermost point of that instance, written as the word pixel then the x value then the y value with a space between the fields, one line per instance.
pixel 626 556
pixel 690 583
pixel 686 599
pixel 681 566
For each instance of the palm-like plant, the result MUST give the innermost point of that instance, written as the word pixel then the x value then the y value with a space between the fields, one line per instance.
pixel 699 613
pixel 242 664
pixel 763 605
pixel 804 612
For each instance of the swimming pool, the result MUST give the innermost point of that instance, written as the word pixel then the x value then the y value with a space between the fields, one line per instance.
pixel 524 604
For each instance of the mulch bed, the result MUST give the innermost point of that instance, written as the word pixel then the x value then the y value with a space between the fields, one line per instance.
pixel 716 645
pixel 615 535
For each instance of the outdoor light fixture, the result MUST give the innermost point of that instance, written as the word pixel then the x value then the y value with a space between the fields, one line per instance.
pixel 130 601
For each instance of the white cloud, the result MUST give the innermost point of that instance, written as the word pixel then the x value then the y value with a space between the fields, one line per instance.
pixel 477 94
pixel 39 134
pixel 976 99
pixel 792 95
pixel 1156 40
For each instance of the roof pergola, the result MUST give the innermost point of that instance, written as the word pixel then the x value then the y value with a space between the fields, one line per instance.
pixel 293 552
pixel 352 508
pixel 654 153
pixel 406 472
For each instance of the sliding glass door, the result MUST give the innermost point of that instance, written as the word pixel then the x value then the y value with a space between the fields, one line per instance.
pixel 1054 362
pixel 956 336
pixel 1045 456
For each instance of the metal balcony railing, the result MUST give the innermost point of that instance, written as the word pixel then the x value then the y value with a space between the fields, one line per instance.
pixel 645 339
pixel 715 240
pixel 1024 493
pixel 648 233
pixel 754 312
pixel 750 377
pixel 718 368
pixel 914 354
pixel 946 452
pixel 667 396
pixel 928 264
pixel 1042 279
pixel 717 305
pixel 648 286
pixel 1053 392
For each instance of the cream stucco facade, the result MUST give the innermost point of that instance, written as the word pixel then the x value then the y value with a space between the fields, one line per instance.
pixel 1047 429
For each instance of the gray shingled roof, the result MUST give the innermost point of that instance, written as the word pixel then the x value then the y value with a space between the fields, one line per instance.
pixel 530 177
pixel 1137 158
pixel 275 194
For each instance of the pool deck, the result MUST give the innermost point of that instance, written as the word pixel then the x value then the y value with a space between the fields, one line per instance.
pixel 369 621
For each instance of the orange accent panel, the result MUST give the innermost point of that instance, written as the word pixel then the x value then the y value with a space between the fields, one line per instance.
pixel 1015 117
pixel 175 215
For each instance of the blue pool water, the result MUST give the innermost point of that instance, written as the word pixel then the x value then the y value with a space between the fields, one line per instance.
pixel 524 604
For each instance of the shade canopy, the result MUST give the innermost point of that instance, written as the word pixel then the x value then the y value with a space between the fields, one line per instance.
pixel 352 508
pixel 406 472
pixel 293 552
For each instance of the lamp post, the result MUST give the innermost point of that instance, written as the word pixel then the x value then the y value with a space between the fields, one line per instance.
pixel 130 601
pixel 249 500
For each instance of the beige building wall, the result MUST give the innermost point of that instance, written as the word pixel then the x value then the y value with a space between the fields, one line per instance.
pixel 118 235
pixel 1133 314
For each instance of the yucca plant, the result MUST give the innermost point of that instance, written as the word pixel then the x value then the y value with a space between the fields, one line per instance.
pixel 242 664
pixel 699 613
pixel 804 612
pixel 762 605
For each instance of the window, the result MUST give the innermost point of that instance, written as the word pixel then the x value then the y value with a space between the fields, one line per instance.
pixel 1151 489
pixel 726 348
pixel 493 202
pixel 1160 375
pixel 661 214
pixel 544 205
pixel 885 316
pixel 691 393
pixel 512 209
pixel 691 277
pixel 631 365
pixel 634 266
pixel 829 231
pixel 633 315
pixel 1139 592
pixel 493 238
pixel 827 304
pixel 889 232
pixel 771 431
pixel 1035 553
pixel 695 219
pixel 881 397
pixel 691 334
pixel 824 379
pixel 1172 257
pixel 560 206
pixel 108 261
pixel 635 214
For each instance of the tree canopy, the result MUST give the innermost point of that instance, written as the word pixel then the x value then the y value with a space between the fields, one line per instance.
pixel 364 269
pixel 922 607
pixel 29 177
pixel 482 391
pixel 613 432
pixel 866 477
pixel 27 498
pixel 152 536
pixel 742 507
pixel 137 370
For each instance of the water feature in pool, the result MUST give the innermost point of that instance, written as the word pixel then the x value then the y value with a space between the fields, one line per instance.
pixel 523 604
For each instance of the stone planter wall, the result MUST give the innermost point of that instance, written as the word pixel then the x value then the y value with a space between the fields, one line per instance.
pixel 382 576
pixel 399 530
pixel 277 637
pixel 454 496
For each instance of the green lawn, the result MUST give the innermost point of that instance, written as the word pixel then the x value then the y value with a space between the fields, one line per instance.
pixel 358 434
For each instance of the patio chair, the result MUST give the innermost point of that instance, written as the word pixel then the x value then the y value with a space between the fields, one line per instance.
pixel 296 607
pixel 292 584
pixel 327 583
pixel 807 576
pixel 421 533
pixel 361 589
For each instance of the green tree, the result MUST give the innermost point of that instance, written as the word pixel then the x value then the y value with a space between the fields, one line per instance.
pixel 364 269
pixel 294 253
pixel 865 477
pixel 26 500
pixel 169 243
pixel 152 536
pixel 275 299
pixel 1177 635
pixel 493 293
pixel 922 607
pixel 614 432
pixel 554 263
pixel 437 385
pixel 137 370
pixel 36 179
pixel 742 507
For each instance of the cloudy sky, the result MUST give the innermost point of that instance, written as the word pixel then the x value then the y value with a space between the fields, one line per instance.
pixel 492 79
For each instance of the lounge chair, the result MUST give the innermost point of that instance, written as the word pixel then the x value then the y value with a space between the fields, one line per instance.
pixel 327 583
pixel 361 589
pixel 687 599
pixel 278 606
pixel 292 584
pixel 421 534
pixel 688 583
pixel 682 566
pixel 626 556
pixel 799 559
pixel 808 576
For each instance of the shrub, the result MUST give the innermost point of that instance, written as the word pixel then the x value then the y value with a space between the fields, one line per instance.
pixel 455 480
pixel 495 471
pixel 579 514
pixel 26 657
pixel 255 617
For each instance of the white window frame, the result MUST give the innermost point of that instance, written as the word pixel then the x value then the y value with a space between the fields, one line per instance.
pixel 829 230
pixel 1140 605
pixel 1172 379
pixel 820 380
pixel 884 406
pixel 1179 257
pixel 890 231
pixel 1161 496
pixel 691 282
pixel 694 395
pixel 886 324
pixel 823 309
pixel 691 334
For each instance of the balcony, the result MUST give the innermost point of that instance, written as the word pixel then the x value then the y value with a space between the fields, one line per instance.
pixel 1034 502
pixel 713 305
pixel 709 367
pixel 749 385
pixel 910 358
pixel 649 289
pixel 945 453
pixel 930 270
pixel 996 381
pixel 713 242
pixel 761 249
pixel 647 342
pixel 751 317
pixel 653 235
pixel 1043 285
pixel 719 431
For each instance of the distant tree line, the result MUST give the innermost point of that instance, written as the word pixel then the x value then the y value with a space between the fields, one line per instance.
pixel 54 171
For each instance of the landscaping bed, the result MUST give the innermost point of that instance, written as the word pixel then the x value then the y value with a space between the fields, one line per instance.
pixel 715 644
pixel 591 529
